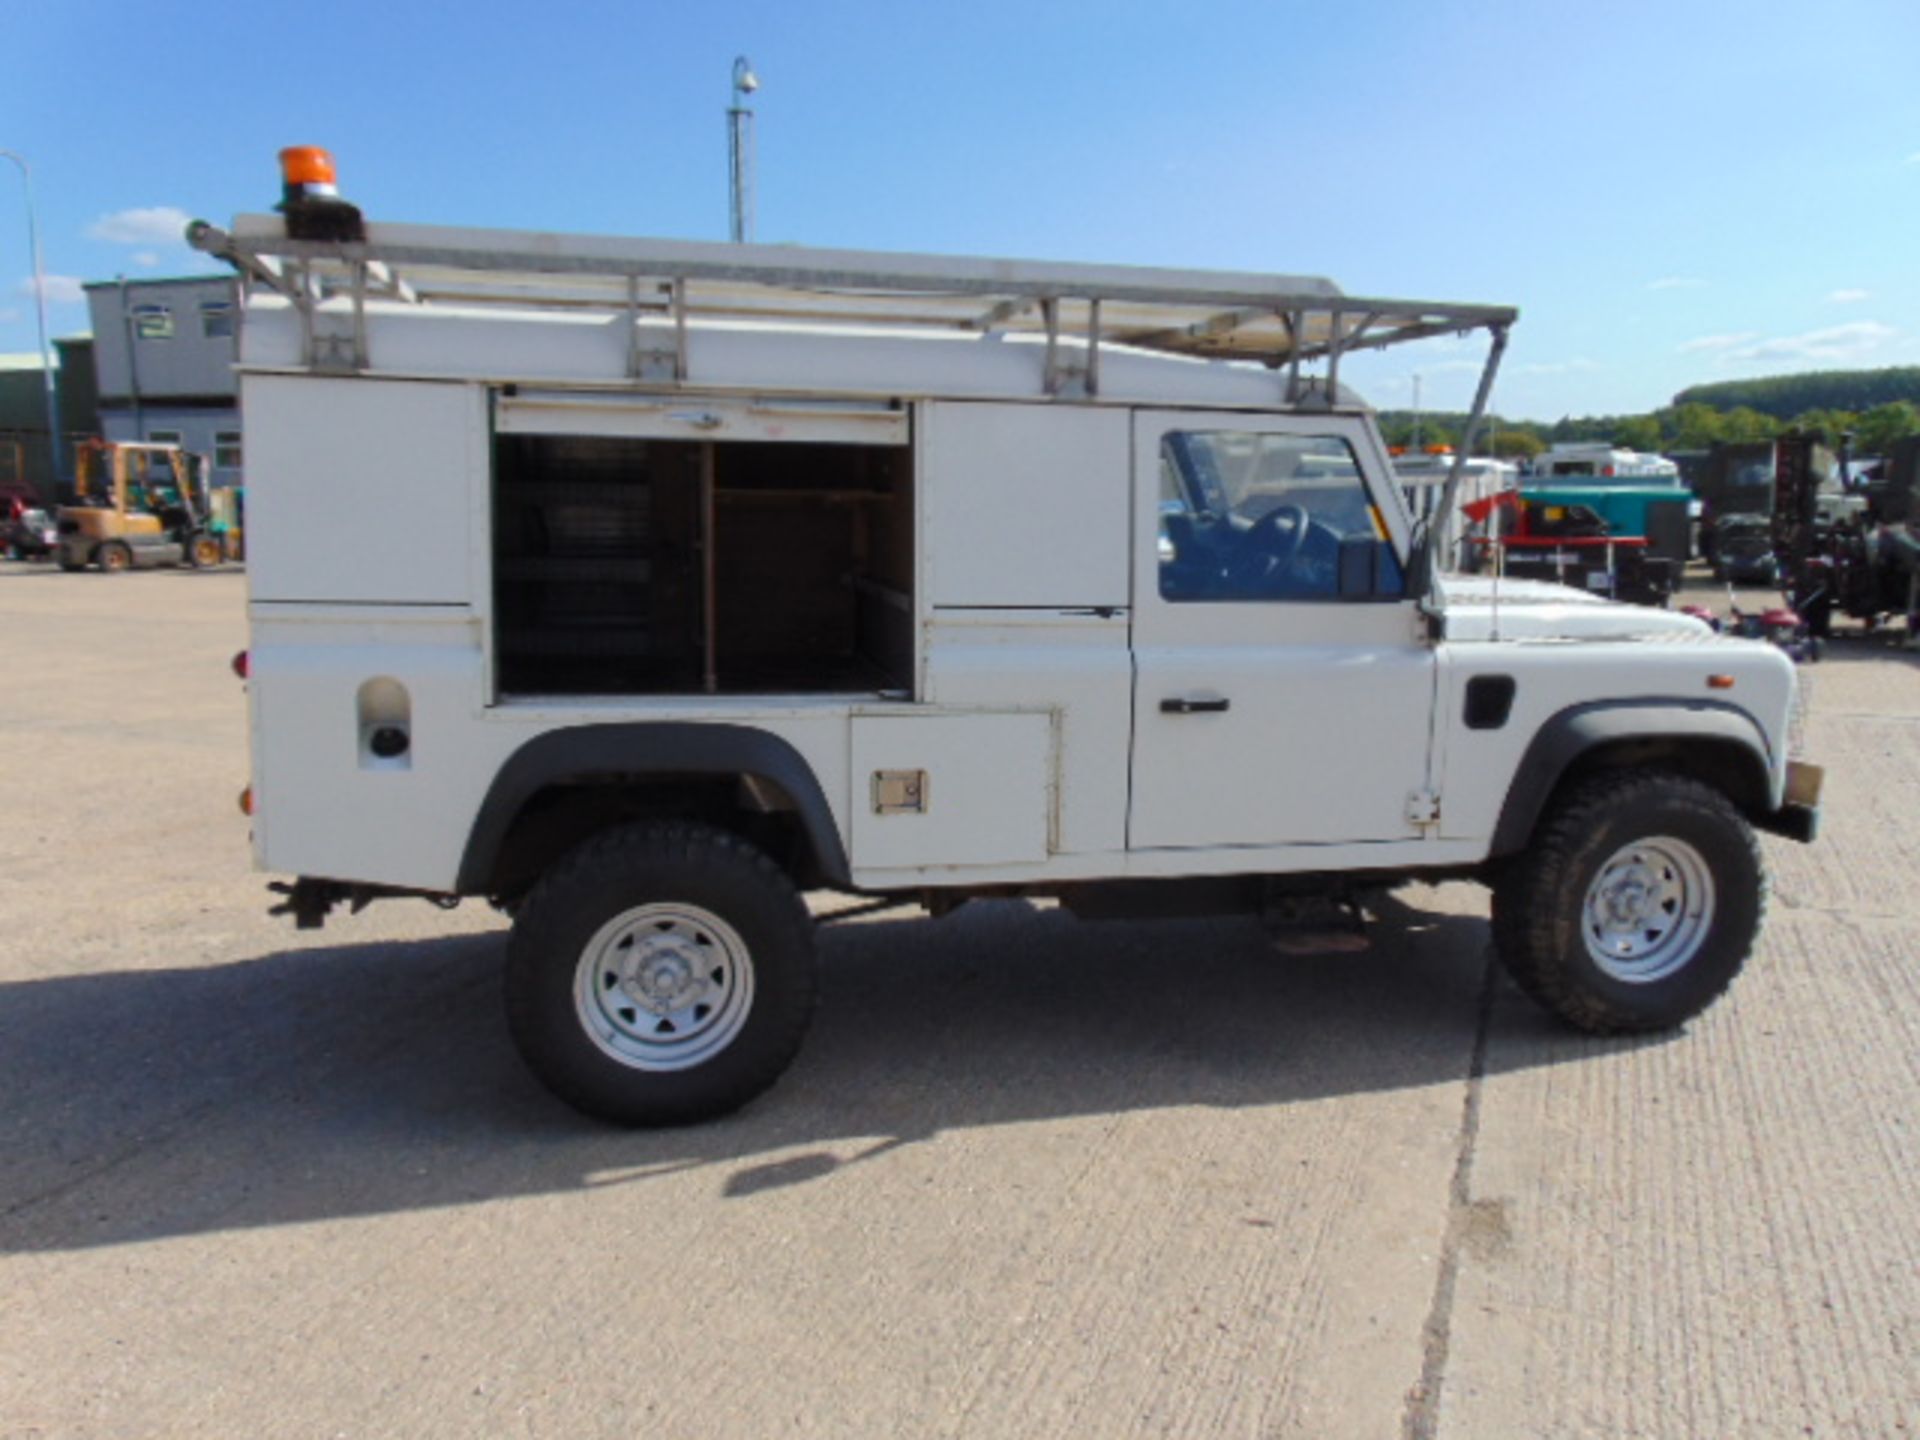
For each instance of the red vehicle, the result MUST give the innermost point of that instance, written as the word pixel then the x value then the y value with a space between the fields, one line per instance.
pixel 1567 544
pixel 26 528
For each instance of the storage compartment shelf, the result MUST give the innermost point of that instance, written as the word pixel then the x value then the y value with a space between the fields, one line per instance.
pixel 574 569
pixel 658 566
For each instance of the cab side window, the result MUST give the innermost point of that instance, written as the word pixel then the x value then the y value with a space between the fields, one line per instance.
pixel 1247 516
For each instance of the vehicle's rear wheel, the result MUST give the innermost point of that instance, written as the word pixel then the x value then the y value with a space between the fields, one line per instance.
pixel 660 974
pixel 113 557
pixel 204 551
pixel 1636 904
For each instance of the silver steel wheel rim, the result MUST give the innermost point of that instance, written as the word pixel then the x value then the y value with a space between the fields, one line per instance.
pixel 1648 910
pixel 664 987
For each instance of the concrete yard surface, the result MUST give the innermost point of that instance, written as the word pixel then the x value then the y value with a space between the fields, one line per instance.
pixel 1030 1177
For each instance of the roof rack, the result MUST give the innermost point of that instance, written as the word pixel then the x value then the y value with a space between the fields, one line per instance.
pixel 1276 320
pixel 1281 321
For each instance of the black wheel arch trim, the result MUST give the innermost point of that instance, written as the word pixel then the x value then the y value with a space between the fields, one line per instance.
pixel 1578 729
pixel 652 749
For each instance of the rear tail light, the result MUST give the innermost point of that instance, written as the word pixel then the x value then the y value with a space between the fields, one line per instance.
pixel 240 665
pixel 246 801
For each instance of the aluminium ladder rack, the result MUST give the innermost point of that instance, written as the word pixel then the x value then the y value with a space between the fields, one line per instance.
pixel 1281 321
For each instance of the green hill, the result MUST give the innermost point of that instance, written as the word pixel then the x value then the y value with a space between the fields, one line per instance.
pixel 1786 396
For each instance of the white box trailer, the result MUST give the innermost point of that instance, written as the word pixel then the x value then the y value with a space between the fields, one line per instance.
pixel 638 585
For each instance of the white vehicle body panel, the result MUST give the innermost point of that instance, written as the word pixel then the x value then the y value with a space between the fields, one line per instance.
pixel 568 351
pixel 324 805
pixel 1330 702
pixel 1473 767
pixel 1482 608
pixel 988 792
pixel 1077 667
pixel 1569 462
pixel 385 515
pixel 1004 484
pixel 1041 646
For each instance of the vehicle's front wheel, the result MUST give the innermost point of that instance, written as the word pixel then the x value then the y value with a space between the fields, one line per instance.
pixel 660 974
pixel 1636 904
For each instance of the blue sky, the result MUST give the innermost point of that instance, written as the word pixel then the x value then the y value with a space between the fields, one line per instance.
pixel 1671 192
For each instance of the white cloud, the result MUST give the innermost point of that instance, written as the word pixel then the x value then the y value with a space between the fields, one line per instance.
pixel 7 317
pixel 1718 342
pixel 142 225
pixel 1849 297
pixel 59 289
pixel 1913 159
pixel 1676 282
pixel 146 259
pixel 1835 343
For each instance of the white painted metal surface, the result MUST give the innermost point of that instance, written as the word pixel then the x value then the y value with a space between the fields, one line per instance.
pixel 363 493
pixel 564 350
pixel 1485 608
pixel 318 811
pixel 1329 702
pixel 1076 664
pixel 1005 485
pixel 1043 645
pixel 1552 672
pixel 988 794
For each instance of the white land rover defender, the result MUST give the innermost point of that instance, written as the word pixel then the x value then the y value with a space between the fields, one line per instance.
pixel 639 586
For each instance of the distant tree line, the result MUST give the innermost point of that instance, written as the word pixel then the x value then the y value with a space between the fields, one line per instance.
pixel 1787 396
pixel 1877 407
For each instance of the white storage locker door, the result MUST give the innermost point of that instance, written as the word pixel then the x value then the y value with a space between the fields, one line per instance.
pixel 362 491
pixel 951 790
pixel 1026 505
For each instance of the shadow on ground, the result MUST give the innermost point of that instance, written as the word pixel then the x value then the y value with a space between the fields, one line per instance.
pixel 1852 641
pixel 368 1079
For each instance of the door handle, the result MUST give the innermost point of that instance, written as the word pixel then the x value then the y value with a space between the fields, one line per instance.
pixel 1182 705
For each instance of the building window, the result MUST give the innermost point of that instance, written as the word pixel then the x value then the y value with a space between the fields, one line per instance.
pixel 153 322
pixel 216 319
pixel 226 449
pixel 163 437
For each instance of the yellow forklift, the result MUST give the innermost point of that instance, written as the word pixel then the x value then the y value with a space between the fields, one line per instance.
pixel 136 505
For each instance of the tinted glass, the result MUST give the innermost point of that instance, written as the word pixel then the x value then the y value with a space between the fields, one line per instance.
pixel 1246 516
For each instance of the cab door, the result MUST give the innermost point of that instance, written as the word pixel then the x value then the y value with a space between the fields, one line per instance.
pixel 1283 688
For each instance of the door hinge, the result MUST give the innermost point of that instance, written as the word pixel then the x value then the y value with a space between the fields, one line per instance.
pixel 1423 808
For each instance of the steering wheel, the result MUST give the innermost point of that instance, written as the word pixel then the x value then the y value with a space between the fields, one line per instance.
pixel 1263 552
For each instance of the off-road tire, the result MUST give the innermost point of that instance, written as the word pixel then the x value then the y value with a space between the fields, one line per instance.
pixel 1539 900
pixel 701 869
